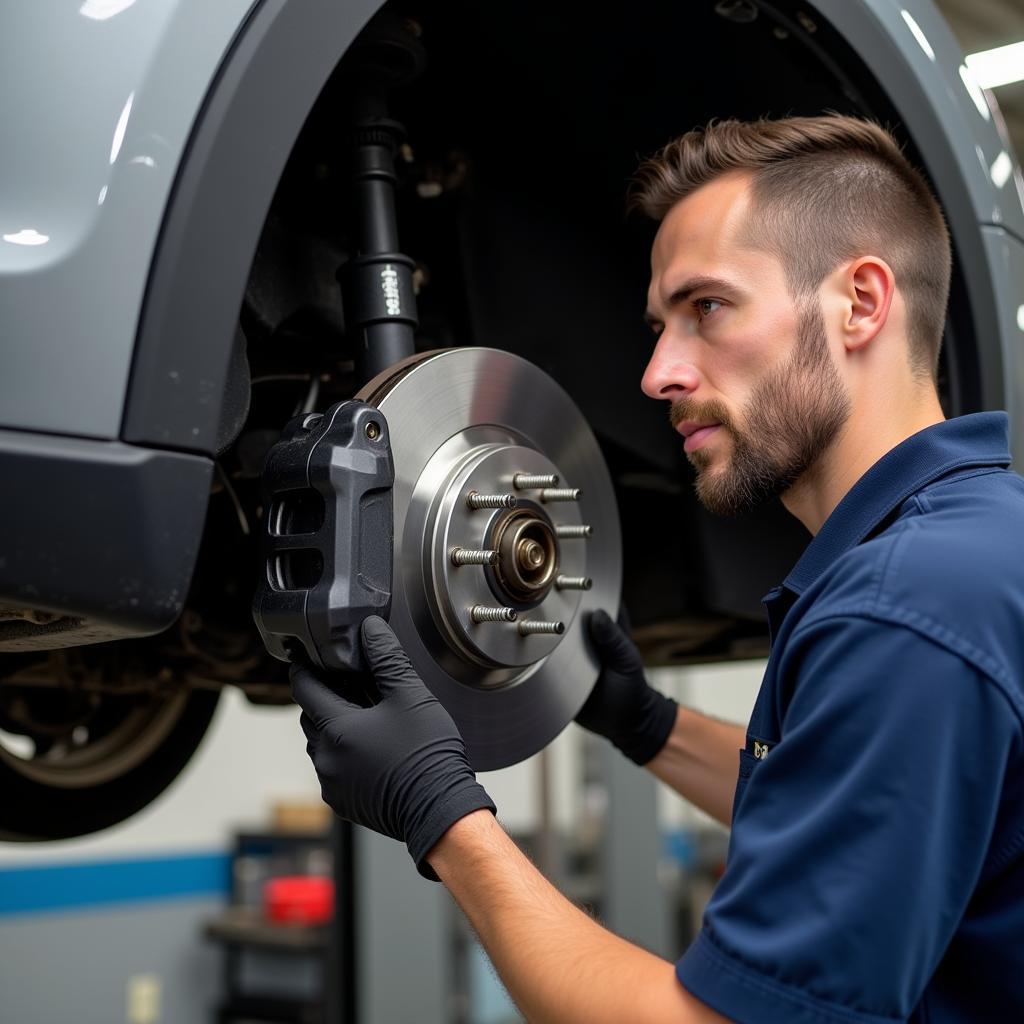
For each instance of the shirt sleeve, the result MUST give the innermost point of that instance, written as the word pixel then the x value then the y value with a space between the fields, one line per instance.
pixel 859 838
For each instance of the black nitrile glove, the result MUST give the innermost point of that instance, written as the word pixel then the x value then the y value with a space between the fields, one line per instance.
pixel 398 766
pixel 623 707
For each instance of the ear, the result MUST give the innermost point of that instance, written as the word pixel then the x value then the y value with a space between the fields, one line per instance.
pixel 868 286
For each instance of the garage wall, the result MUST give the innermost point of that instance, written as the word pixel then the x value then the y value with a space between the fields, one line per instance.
pixel 107 928
pixel 726 691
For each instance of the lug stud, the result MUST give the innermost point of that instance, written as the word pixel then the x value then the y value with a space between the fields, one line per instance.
pixel 467 556
pixel 573 532
pixel 474 500
pixel 531 627
pixel 482 613
pixel 531 481
pixel 573 582
pixel 560 494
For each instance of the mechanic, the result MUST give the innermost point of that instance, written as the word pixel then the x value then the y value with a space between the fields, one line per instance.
pixel 875 872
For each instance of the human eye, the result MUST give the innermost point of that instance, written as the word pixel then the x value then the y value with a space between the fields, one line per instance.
pixel 705 307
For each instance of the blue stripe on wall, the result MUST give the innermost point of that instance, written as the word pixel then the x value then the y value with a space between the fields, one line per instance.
pixel 86 884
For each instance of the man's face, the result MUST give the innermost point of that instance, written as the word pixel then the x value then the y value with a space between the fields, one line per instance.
pixel 748 371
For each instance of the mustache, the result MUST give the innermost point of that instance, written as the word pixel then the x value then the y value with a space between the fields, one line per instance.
pixel 683 409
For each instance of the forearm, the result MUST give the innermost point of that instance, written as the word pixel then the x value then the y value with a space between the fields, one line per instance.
pixel 557 963
pixel 700 761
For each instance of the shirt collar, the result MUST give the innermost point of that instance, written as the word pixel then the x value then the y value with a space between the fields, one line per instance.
pixel 979 439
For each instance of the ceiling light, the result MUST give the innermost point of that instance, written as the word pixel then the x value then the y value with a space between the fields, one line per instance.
pixel 1001 66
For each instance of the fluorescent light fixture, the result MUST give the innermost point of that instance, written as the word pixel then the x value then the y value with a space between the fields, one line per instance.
pixel 1020 317
pixel 918 34
pixel 1001 66
pixel 26 236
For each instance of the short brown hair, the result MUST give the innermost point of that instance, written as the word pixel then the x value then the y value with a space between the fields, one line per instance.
pixel 825 190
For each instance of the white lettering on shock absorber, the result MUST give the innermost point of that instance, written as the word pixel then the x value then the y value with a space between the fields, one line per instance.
pixel 392 296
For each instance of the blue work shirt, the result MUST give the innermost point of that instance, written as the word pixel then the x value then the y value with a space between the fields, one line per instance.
pixel 876 864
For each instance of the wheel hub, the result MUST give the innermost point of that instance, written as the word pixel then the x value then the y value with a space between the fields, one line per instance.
pixel 493 569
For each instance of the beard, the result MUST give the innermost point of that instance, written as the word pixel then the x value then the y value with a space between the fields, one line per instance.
pixel 793 415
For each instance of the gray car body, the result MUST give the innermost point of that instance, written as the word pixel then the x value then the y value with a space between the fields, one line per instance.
pixel 143 142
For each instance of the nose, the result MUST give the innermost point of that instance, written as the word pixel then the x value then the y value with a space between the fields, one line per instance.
pixel 668 374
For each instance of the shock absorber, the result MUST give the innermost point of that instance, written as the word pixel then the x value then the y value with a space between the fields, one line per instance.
pixel 376 281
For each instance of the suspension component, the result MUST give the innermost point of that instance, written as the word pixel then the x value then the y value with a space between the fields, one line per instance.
pixel 377 280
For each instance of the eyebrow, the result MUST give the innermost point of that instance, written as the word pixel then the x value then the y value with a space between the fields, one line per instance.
pixel 687 288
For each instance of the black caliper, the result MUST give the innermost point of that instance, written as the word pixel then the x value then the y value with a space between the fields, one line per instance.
pixel 326 561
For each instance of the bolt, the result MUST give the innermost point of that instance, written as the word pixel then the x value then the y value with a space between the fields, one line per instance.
pixel 474 500
pixel 531 481
pixel 573 532
pixel 481 613
pixel 573 582
pixel 372 430
pixel 467 556
pixel 528 627
pixel 560 494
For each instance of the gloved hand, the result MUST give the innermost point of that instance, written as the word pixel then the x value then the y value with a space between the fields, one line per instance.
pixel 623 707
pixel 399 766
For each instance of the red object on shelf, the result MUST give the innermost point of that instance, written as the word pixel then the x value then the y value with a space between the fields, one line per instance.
pixel 299 899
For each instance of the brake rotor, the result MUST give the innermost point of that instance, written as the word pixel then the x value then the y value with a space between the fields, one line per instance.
pixel 506 536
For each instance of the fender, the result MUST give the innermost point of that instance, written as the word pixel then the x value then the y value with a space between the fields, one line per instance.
pixel 255 110
pixel 252 116
pixel 99 100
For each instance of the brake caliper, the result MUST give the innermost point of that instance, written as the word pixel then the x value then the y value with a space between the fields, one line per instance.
pixel 326 559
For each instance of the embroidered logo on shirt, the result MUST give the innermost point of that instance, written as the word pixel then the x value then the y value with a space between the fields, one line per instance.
pixel 758 748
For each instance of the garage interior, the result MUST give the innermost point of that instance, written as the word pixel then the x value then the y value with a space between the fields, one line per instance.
pixel 520 244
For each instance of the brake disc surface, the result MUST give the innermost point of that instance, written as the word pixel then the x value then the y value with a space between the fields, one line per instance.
pixel 499 638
